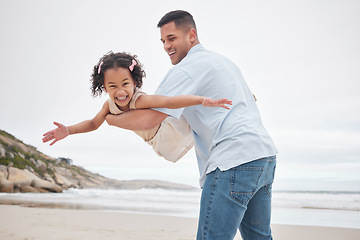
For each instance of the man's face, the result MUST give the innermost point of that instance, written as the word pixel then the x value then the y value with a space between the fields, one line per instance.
pixel 176 42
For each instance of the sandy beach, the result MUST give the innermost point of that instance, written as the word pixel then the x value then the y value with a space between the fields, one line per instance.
pixel 31 223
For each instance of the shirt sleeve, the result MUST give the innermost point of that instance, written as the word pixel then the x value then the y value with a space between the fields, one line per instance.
pixel 176 82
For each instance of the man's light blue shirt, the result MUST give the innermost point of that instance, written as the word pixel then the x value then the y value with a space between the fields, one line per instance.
pixel 223 138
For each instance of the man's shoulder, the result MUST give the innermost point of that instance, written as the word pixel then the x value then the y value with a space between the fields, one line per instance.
pixel 200 60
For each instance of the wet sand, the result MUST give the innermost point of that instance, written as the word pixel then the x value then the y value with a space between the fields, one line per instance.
pixel 19 223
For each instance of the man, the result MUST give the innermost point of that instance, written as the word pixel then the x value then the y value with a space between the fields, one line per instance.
pixel 236 156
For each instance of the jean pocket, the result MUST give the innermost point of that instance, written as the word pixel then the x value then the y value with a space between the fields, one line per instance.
pixel 268 189
pixel 245 182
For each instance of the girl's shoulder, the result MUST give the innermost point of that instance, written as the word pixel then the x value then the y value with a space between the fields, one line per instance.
pixel 136 95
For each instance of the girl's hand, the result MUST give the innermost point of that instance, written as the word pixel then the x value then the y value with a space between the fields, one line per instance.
pixel 207 102
pixel 56 134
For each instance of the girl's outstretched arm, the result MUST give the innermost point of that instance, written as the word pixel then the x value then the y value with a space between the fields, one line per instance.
pixel 62 131
pixel 158 101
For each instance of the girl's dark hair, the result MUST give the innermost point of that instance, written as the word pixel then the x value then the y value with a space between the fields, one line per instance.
pixel 115 60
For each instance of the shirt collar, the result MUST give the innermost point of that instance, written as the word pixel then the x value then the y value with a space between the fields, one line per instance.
pixel 195 48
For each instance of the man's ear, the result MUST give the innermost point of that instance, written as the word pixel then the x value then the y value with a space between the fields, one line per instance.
pixel 192 35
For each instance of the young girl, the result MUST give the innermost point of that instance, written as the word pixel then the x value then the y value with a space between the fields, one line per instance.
pixel 120 75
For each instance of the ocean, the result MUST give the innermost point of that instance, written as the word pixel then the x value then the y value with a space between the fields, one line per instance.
pixel 314 208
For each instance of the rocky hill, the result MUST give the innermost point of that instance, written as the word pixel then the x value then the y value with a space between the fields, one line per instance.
pixel 25 169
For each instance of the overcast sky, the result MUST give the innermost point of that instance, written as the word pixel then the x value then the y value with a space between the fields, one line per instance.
pixel 300 58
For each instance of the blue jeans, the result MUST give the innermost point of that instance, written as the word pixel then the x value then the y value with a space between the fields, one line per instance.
pixel 239 198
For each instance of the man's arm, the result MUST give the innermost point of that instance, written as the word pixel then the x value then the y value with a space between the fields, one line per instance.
pixel 136 120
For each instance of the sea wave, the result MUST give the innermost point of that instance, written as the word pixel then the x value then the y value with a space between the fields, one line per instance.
pixel 289 207
pixel 317 200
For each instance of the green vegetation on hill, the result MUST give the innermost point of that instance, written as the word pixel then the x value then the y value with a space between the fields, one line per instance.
pixel 22 156
pixel 18 157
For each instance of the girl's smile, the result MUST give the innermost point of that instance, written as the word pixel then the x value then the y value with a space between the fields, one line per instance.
pixel 121 99
pixel 119 84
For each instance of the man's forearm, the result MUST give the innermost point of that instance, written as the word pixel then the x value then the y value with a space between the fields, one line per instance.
pixel 136 120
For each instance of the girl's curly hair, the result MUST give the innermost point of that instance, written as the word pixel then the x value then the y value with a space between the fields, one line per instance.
pixel 115 60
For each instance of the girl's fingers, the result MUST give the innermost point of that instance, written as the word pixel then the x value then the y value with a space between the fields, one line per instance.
pixel 58 124
pixel 224 106
pixel 53 142
pixel 45 139
pixel 47 133
pixel 226 101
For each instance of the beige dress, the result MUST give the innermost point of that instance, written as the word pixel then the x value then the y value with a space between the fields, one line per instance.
pixel 171 139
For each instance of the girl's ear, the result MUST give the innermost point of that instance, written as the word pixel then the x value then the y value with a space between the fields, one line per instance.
pixel 105 88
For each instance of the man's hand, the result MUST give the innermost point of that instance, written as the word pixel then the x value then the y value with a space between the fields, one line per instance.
pixel 57 134
pixel 207 102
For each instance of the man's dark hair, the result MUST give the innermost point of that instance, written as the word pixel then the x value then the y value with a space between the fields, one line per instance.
pixel 183 20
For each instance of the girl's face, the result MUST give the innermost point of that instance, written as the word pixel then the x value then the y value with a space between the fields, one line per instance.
pixel 119 84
